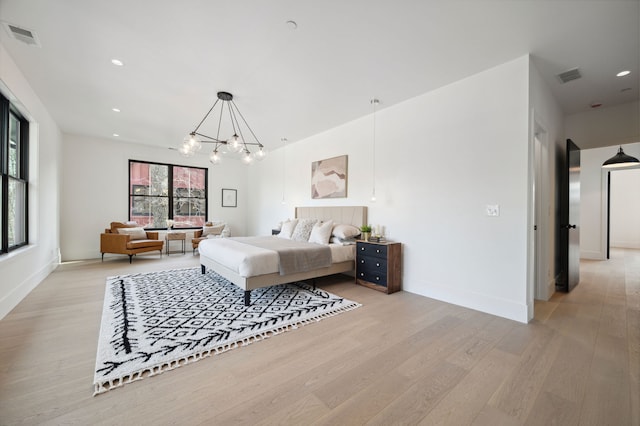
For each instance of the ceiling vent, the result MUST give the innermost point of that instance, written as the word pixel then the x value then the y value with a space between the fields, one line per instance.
pixel 22 34
pixel 567 76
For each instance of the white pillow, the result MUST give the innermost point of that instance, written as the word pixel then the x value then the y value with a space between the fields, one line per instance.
pixel 136 233
pixel 321 232
pixel 303 229
pixel 345 231
pixel 212 230
pixel 287 229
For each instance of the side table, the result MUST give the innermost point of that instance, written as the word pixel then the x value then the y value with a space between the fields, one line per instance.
pixel 175 236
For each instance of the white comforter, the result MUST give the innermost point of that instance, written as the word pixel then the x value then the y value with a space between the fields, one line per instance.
pixel 249 261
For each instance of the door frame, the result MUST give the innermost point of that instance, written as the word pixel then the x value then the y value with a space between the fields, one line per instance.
pixel 538 259
pixel 605 224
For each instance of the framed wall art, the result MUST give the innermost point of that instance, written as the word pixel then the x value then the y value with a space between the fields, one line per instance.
pixel 329 178
pixel 229 197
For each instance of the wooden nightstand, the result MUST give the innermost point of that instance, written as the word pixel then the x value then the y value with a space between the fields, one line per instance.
pixel 175 236
pixel 378 266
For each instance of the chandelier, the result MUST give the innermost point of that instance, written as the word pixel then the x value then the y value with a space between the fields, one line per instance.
pixel 235 144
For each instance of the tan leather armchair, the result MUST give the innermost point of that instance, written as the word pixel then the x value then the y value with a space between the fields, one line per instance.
pixel 217 229
pixel 129 242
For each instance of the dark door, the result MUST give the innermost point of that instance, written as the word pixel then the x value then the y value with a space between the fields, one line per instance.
pixel 570 220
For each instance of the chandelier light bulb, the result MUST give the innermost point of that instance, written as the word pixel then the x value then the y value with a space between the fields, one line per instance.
pixel 261 154
pixel 214 158
pixel 234 144
pixel 185 150
pixel 247 157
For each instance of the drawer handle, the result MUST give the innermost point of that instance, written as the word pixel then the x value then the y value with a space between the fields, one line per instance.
pixel 362 261
pixel 377 278
pixel 377 250
pixel 378 264
pixel 362 248
pixel 362 274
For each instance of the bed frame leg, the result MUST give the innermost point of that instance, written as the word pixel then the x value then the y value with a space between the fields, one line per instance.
pixel 203 269
pixel 313 281
pixel 247 298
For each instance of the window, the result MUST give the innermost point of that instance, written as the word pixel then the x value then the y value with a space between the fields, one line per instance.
pixel 14 182
pixel 160 192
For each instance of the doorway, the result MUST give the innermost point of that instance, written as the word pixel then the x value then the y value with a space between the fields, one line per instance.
pixel 623 209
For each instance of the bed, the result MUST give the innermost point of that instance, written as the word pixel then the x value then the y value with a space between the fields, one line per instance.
pixel 231 257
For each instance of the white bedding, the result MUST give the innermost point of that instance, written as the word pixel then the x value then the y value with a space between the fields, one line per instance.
pixel 250 261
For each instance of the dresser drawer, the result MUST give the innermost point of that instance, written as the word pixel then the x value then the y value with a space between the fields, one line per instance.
pixel 376 250
pixel 372 264
pixel 374 277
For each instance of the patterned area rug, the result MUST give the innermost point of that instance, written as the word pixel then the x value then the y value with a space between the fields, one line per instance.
pixel 159 321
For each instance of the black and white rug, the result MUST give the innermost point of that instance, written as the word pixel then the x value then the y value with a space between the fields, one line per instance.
pixel 158 321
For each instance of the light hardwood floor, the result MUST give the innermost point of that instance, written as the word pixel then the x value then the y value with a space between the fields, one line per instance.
pixel 399 359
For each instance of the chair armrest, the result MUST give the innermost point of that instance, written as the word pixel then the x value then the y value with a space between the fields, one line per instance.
pixel 113 243
pixel 152 235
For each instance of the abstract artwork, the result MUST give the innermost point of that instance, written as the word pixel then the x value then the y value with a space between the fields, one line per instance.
pixel 329 178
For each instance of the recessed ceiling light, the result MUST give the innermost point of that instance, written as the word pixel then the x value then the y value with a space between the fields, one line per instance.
pixel 115 109
pixel 623 73
pixel 116 135
pixel 117 62
pixel 293 25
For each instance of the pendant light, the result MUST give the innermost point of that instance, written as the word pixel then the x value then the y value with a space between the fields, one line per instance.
pixel 620 160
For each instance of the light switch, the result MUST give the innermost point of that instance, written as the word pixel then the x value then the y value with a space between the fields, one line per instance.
pixel 493 210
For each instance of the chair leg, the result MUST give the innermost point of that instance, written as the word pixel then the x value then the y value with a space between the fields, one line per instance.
pixel 103 257
pixel 130 258
pixel 247 298
pixel 203 269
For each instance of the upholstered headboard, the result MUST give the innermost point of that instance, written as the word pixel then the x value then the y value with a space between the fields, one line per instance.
pixel 352 215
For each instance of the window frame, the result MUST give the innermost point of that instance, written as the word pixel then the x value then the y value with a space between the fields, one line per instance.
pixel 131 190
pixel 7 110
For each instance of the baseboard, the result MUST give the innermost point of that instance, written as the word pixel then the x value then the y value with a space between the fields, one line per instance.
pixel 477 301
pixel 21 291
pixel 625 244
pixel 591 255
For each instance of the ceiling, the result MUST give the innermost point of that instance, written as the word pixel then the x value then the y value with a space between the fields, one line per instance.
pixel 293 83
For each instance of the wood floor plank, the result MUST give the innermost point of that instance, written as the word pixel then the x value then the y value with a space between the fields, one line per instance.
pixel 399 359
pixel 465 402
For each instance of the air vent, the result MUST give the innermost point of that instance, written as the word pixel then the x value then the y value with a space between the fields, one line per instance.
pixel 22 34
pixel 567 76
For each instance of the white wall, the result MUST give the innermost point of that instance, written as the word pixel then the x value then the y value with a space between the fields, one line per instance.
pixel 95 189
pixel 625 209
pixel 23 269
pixel 441 158
pixel 593 197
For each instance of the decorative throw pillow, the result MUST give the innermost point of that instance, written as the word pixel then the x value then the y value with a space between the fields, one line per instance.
pixel 303 229
pixel 321 232
pixel 212 230
pixel 136 233
pixel 287 229
pixel 345 231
